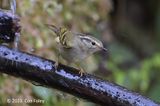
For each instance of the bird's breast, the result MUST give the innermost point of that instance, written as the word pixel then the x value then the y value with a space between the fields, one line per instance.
pixel 73 54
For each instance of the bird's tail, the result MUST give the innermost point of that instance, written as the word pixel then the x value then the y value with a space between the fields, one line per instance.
pixel 54 29
pixel 60 32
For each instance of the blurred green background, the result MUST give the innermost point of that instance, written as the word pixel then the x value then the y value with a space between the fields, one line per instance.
pixel 130 29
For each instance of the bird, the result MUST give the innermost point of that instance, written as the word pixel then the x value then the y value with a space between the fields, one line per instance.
pixel 75 47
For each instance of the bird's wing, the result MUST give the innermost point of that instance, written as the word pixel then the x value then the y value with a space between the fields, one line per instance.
pixel 66 38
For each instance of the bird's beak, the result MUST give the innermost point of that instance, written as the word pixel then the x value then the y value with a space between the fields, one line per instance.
pixel 104 49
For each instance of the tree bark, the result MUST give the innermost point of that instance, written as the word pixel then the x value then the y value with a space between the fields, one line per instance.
pixel 67 79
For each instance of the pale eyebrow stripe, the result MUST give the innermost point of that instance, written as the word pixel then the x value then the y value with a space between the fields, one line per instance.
pixel 88 39
pixel 85 38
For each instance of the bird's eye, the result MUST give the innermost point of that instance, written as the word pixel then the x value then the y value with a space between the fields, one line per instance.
pixel 93 43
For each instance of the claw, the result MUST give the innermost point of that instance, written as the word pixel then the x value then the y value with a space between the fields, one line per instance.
pixel 56 65
pixel 81 72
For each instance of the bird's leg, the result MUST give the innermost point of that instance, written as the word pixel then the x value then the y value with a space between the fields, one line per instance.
pixel 81 72
pixel 56 64
pixel 57 61
pixel 16 41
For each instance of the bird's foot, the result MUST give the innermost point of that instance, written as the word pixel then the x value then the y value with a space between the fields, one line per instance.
pixel 81 72
pixel 56 66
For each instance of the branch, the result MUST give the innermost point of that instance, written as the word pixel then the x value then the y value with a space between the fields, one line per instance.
pixel 36 69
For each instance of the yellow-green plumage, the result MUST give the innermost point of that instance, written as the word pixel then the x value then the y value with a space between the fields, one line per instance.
pixel 64 35
pixel 75 47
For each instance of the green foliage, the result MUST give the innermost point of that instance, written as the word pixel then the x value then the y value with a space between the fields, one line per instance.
pixel 134 59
